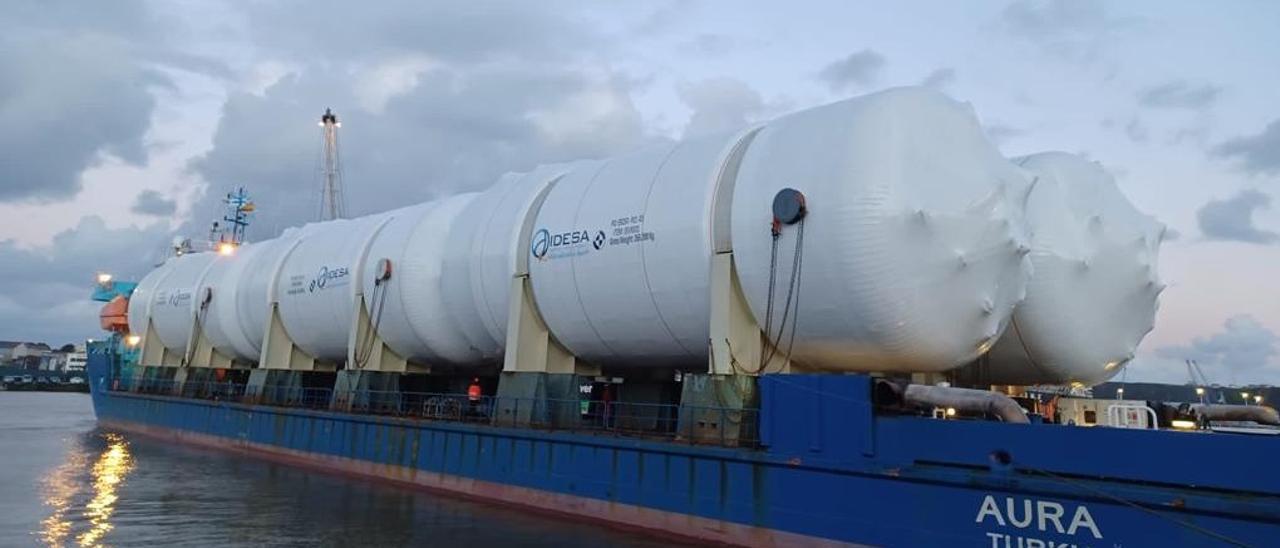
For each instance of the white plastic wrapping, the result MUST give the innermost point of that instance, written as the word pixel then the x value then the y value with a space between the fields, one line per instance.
pixel 142 300
pixel 419 291
pixel 175 298
pixel 621 255
pixel 316 285
pixel 255 287
pixel 1093 293
pixel 391 243
pixel 481 255
pixel 914 252
pixel 221 322
pixel 914 256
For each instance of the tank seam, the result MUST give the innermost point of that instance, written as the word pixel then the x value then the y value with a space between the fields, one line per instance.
pixel 573 261
pixel 644 258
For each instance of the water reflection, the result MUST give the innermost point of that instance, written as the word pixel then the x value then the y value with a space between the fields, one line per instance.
pixel 66 486
pixel 60 488
pixel 65 482
pixel 110 469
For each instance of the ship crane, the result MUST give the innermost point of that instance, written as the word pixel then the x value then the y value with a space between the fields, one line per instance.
pixel 1200 381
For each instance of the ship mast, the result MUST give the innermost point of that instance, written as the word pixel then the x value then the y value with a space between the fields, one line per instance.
pixel 332 202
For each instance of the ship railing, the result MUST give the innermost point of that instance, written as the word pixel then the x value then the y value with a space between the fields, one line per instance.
pixel 690 424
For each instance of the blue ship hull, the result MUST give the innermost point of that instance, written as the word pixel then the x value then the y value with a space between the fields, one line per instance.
pixel 830 471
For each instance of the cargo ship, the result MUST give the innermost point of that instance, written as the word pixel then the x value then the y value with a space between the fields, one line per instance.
pixel 813 332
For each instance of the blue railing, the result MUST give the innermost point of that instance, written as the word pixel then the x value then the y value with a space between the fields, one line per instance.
pixel 680 423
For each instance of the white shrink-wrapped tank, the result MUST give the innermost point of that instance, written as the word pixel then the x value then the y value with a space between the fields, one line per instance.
pixel 253 291
pixel 172 299
pixel 412 317
pixel 221 321
pixel 143 299
pixel 482 252
pixel 620 256
pixel 913 255
pixel 913 247
pixel 316 286
pixel 1093 292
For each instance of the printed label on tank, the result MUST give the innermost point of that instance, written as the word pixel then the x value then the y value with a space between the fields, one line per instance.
pixel 327 277
pixel 175 299
pixel 629 230
pixel 546 244
pixel 1027 522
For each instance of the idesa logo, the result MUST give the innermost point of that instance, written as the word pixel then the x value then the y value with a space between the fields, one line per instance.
pixel 544 242
pixel 326 277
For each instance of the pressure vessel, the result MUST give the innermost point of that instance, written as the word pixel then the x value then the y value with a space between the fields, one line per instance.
pixel 253 290
pixel 1094 289
pixel 881 233
pixel 221 320
pixel 913 249
pixel 173 297
pixel 620 255
pixel 410 310
pixel 316 285
pixel 483 251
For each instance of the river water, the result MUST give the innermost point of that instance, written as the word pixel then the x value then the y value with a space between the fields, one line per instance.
pixel 65 482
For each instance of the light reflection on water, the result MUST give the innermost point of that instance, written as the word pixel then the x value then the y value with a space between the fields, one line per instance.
pixel 109 470
pixel 64 482
pixel 66 485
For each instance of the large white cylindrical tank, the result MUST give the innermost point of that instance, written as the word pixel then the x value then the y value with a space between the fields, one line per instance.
pixel 913 249
pixel 142 300
pixel 316 284
pixel 412 316
pixel 1093 293
pixel 620 255
pixel 253 292
pixel 222 323
pixel 175 298
pixel 482 252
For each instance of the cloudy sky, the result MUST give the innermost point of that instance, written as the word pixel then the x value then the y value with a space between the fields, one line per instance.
pixel 123 123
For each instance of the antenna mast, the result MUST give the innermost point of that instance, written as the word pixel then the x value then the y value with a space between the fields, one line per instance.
pixel 332 203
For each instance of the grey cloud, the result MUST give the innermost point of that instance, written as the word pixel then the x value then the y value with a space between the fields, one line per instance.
pixel 709 44
pixel 46 289
pixel 940 78
pixel 458 130
pixel 472 31
pixel 1001 133
pixel 1258 154
pixel 150 202
pixel 63 102
pixel 857 69
pixel 719 104
pixel 662 18
pixel 1232 219
pixel 1076 30
pixel 1244 347
pixel 75 83
pixel 1179 94
pixel 506 86
pixel 1137 131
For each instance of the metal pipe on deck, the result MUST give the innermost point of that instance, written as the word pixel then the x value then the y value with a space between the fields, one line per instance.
pixel 965 399
pixel 1222 412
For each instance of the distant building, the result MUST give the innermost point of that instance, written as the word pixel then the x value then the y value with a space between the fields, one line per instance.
pixel 28 355
pixel 76 361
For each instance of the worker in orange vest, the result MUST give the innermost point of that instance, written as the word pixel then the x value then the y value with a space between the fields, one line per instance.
pixel 473 396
